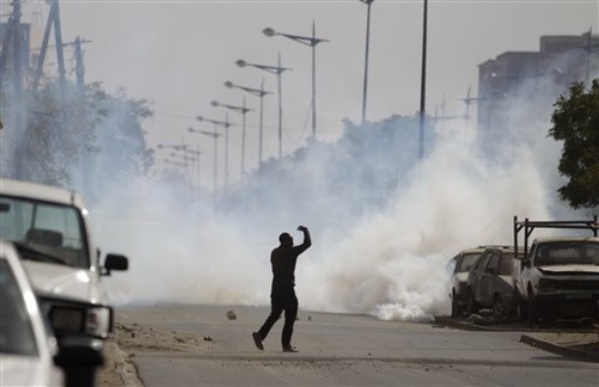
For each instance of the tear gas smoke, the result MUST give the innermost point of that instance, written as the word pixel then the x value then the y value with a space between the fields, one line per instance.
pixel 389 262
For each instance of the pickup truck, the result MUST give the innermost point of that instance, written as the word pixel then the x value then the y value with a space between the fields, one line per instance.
pixel 558 276
pixel 49 227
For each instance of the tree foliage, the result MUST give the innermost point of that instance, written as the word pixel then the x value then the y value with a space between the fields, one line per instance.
pixel 576 123
pixel 73 137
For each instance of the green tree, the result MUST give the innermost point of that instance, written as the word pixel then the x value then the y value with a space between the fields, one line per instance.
pixel 71 137
pixel 576 123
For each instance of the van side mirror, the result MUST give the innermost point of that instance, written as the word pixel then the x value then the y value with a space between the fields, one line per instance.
pixel 115 262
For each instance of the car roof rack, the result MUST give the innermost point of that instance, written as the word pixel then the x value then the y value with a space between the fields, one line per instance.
pixel 529 226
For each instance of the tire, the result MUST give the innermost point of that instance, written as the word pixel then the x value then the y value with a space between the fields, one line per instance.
pixel 456 309
pixel 533 310
pixel 518 308
pixel 471 305
pixel 499 310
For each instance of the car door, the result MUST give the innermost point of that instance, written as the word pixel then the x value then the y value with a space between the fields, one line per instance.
pixel 476 276
pixel 488 273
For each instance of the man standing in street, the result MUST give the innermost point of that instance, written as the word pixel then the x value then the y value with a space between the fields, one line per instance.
pixel 282 297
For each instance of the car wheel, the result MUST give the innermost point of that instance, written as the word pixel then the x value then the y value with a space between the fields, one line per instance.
pixel 456 310
pixel 498 307
pixel 518 307
pixel 471 306
pixel 533 310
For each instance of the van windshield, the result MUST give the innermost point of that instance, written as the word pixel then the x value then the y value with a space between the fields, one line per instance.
pixel 467 261
pixel 44 231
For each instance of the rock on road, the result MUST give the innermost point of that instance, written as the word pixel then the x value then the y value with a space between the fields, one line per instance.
pixel 203 345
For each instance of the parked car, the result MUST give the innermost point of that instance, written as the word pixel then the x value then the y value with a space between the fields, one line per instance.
pixel 27 346
pixel 490 282
pixel 30 354
pixel 49 227
pixel 458 268
pixel 558 277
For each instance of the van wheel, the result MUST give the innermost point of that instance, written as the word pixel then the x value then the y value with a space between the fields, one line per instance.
pixel 471 306
pixel 498 308
pixel 456 309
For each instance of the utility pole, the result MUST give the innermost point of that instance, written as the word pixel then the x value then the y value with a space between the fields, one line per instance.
pixel 12 42
pixel 53 21
pixel 423 83
pixel 79 67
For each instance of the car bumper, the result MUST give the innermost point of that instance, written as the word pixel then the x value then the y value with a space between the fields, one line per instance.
pixel 570 305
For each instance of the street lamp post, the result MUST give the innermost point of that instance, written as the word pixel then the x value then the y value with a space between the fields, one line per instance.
pixel 196 154
pixel 225 124
pixel 308 41
pixel 215 136
pixel 258 93
pixel 277 70
pixel 366 51
pixel 183 148
pixel 243 110
pixel 423 83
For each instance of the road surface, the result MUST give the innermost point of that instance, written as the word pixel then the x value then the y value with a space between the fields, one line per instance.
pixel 199 345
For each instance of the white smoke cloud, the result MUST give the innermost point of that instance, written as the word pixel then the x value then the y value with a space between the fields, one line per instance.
pixel 388 261
pixel 392 263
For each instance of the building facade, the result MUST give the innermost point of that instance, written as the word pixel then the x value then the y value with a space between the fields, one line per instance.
pixel 517 89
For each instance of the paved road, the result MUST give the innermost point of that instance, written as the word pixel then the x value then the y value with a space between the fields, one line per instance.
pixel 335 350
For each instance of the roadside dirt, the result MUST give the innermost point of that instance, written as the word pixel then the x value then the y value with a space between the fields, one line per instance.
pixel 119 369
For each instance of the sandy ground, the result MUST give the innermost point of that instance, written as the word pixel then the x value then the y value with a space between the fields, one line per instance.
pixel 119 369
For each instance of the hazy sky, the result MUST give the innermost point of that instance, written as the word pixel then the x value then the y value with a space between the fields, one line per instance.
pixel 178 54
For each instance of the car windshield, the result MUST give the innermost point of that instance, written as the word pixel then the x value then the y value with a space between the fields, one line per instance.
pixel 44 231
pixel 567 253
pixel 16 332
pixel 467 261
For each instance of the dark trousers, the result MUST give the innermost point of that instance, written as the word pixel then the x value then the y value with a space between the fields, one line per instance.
pixel 281 299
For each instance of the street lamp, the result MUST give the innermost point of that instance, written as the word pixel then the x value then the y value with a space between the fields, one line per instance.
pixel 225 124
pixel 423 83
pixel 258 93
pixel 308 41
pixel 277 70
pixel 365 90
pixel 243 110
pixel 196 156
pixel 178 147
pixel 214 135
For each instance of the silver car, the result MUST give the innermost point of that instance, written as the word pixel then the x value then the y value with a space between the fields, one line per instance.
pixel 27 345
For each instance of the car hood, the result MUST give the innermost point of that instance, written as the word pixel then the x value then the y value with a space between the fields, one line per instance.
pixel 567 269
pixel 65 281
pixel 29 371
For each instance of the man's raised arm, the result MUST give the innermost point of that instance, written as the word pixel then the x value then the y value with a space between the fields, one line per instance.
pixel 307 240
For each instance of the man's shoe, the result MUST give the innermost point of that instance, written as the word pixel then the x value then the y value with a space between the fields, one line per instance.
pixel 258 340
pixel 290 349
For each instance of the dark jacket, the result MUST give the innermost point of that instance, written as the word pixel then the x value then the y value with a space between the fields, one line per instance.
pixel 283 260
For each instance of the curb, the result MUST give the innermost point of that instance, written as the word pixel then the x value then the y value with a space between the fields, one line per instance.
pixel 559 349
pixel 124 370
pixel 466 325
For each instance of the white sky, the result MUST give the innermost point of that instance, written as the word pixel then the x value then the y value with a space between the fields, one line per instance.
pixel 178 54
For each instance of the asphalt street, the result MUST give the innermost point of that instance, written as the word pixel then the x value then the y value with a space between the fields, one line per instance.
pixel 202 345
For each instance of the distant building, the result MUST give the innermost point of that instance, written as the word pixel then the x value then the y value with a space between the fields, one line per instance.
pixel 517 88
